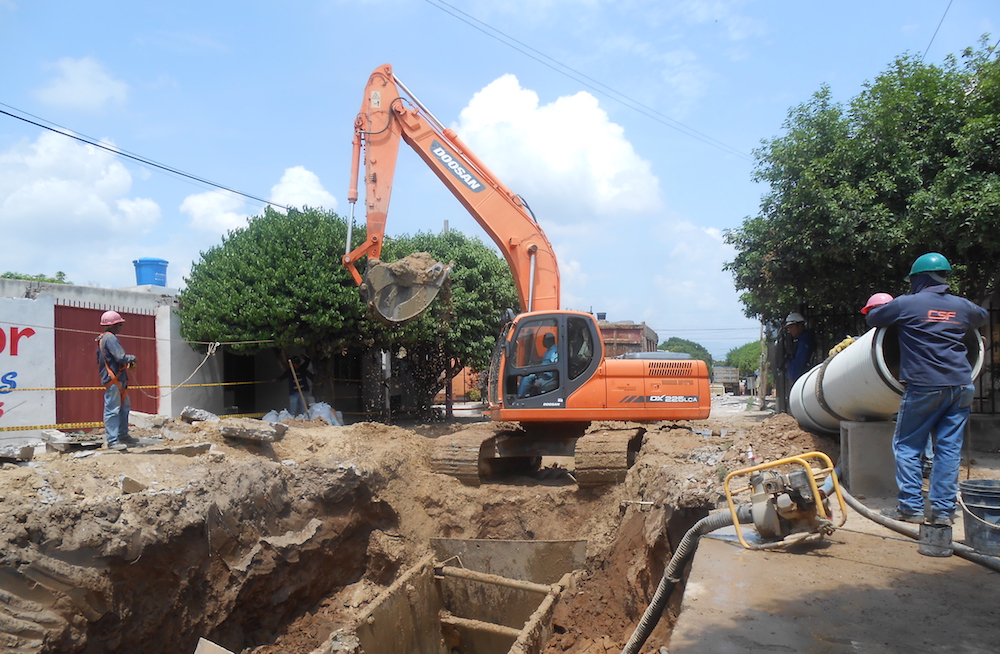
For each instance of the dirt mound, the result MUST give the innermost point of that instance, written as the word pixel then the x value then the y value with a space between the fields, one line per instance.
pixel 274 546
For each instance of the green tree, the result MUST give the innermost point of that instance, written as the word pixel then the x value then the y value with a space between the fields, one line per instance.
pixel 857 193
pixel 674 344
pixel 461 326
pixel 278 283
pixel 60 277
pixel 745 357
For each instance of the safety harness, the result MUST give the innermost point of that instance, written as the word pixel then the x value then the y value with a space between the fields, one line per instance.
pixel 111 373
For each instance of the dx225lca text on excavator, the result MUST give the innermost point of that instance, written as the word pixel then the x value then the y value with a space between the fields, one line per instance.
pixel 548 372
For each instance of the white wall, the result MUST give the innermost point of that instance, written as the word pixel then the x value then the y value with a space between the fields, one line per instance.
pixel 27 361
pixel 177 360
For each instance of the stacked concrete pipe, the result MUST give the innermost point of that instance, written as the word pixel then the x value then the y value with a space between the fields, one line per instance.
pixel 861 382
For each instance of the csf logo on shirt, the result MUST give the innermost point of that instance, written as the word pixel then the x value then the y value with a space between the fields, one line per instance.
pixel 934 315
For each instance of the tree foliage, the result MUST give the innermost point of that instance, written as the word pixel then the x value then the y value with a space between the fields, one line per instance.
pixel 745 357
pixel 674 344
pixel 461 326
pixel 911 165
pixel 60 277
pixel 278 283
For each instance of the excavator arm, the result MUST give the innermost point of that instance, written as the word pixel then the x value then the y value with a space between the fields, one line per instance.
pixel 402 290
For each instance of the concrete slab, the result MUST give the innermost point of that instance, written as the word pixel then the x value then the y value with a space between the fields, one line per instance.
pixel 208 647
pixel 866 460
pixel 864 589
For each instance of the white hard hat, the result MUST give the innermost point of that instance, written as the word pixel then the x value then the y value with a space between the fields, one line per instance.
pixel 794 318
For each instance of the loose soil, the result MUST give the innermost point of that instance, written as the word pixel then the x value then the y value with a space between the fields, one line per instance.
pixel 272 547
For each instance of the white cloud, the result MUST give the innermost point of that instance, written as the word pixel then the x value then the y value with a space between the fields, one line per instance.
pixel 620 250
pixel 56 183
pixel 301 188
pixel 217 212
pixel 82 84
pixel 140 211
pixel 567 150
pixel 66 206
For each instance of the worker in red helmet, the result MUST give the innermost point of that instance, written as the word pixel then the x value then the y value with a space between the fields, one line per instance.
pixel 113 364
pixel 876 300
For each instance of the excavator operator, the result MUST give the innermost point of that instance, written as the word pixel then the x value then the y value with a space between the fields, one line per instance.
pixel 534 384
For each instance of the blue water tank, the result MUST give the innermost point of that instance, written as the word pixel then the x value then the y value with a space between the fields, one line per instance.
pixel 149 271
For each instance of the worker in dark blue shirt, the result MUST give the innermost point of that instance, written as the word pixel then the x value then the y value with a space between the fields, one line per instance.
pixel 935 367
pixel 805 345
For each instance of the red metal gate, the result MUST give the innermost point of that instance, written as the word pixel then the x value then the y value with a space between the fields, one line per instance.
pixel 76 363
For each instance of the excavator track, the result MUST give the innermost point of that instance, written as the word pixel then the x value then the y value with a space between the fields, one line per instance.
pixel 604 455
pixel 464 455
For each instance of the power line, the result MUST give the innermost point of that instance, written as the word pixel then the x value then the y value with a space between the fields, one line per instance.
pixel 936 29
pixel 64 131
pixel 584 79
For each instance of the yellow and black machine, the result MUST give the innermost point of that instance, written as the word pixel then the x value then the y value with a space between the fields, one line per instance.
pixel 789 499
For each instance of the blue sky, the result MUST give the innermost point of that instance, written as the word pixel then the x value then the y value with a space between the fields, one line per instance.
pixel 261 97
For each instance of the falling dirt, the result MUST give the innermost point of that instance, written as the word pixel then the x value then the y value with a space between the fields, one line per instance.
pixel 272 547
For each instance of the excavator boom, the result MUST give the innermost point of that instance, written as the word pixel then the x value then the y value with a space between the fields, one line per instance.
pixel 390 112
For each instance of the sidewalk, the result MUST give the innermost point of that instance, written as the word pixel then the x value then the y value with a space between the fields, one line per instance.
pixel 863 589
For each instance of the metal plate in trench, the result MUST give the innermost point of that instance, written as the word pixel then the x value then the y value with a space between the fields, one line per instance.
pixel 539 561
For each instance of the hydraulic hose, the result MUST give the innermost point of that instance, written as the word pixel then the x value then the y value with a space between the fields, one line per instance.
pixel 671 575
pixel 960 549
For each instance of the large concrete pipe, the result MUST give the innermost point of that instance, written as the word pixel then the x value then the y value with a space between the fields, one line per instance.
pixel 861 382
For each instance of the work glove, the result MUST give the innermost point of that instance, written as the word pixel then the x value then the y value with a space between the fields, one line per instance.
pixel 841 346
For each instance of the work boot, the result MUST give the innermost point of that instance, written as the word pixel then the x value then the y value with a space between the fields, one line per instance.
pixel 896 514
pixel 942 519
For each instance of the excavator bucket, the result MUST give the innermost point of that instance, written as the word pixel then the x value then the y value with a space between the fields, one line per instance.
pixel 400 291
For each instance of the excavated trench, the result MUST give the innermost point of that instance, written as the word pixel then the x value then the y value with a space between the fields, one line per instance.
pixel 289 548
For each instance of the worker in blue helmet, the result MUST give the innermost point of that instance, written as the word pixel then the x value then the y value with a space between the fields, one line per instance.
pixel 937 372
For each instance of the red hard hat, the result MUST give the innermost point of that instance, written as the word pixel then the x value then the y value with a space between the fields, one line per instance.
pixel 876 300
pixel 111 318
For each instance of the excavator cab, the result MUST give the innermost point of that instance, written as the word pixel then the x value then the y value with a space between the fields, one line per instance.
pixel 546 356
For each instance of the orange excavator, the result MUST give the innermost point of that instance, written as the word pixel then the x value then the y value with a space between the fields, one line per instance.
pixel 548 372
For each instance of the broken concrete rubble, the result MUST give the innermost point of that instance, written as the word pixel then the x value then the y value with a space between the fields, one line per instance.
pixel 191 414
pixel 130 485
pixel 142 420
pixel 252 430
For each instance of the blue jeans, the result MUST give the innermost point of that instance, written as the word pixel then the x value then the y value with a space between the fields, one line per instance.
pixel 115 414
pixel 295 405
pixel 943 410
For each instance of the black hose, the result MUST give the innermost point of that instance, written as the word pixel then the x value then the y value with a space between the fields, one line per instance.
pixel 671 575
pixel 960 549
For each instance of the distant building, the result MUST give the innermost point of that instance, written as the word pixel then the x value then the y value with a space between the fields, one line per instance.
pixel 624 337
